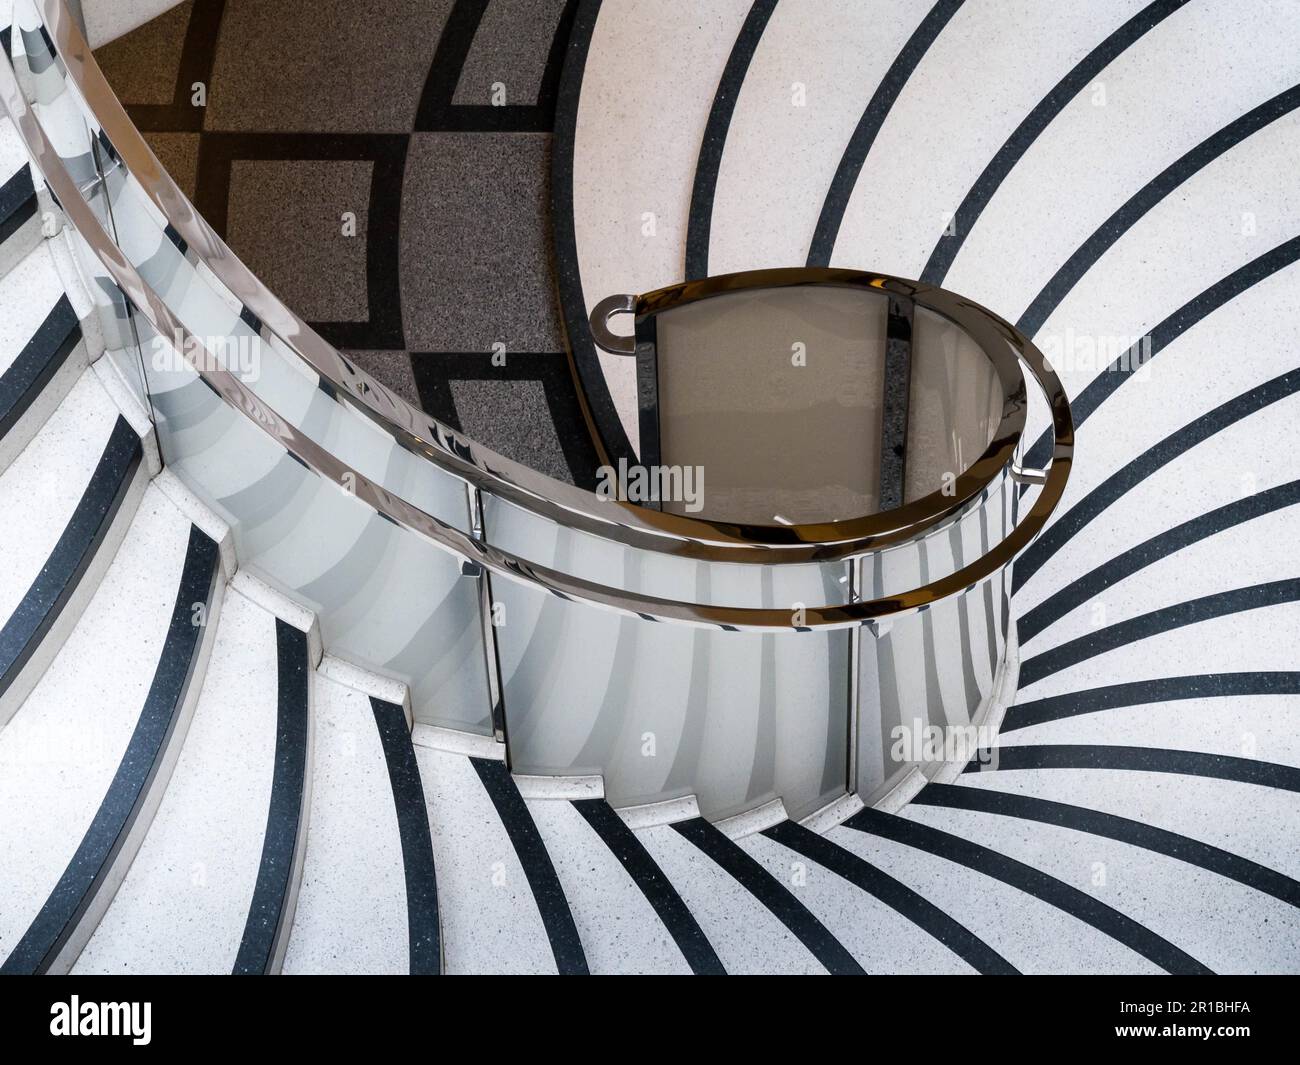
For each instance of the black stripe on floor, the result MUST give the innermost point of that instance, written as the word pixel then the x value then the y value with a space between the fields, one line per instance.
pixel 17 203
pixel 37 363
pixel 1103 386
pixel 437 111
pixel 1079 78
pixel 1133 473
pixel 657 888
pixel 417 843
pixel 608 433
pixel 864 134
pixel 1032 882
pixel 76 548
pixel 1137 205
pixel 771 893
pixel 699 222
pixel 1121 829
pixel 265 927
pixel 1126 563
pixel 1144 626
pixel 1136 759
pixel 132 782
pixel 894 894
pixel 1141 692
pixel 548 893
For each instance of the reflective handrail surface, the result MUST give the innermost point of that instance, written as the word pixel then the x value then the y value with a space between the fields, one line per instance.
pixel 554 500
pixel 416 431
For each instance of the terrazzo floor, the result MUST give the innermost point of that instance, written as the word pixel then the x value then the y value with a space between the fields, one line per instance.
pixel 384 169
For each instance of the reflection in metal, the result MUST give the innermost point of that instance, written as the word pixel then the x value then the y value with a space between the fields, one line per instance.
pixel 604 336
pixel 491 654
pixel 894 417
pixel 672 654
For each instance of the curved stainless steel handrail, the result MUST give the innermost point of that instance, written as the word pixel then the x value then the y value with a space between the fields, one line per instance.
pixel 469 550
pixel 414 430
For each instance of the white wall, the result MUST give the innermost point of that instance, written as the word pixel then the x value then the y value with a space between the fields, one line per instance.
pixel 106 20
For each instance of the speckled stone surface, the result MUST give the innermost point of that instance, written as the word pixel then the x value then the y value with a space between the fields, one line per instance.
pixel 475 264
pixel 28 293
pixel 1238 817
pixel 490 921
pixel 41 489
pixel 424 928
pixel 312 76
pixel 17 198
pixel 650 83
pixel 1228 726
pixel 51 355
pixel 1225 925
pixel 881 939
pixel 620 931
pixel 646 92
pixel 183 905
pixel 287 219
pixel 102 506
pixel 179 155
pixel 745 934
pixel 452 252
pixel 510 417
pixel 1253 637
pixel 13 154
pixel 351 913
pixel 1186 572
pixel 1154 108
pixel 392 368
pixel 106 847
pixel 143 66
pixel 920 167
pixel 279 867
pixel 1032 935
pixel 510 48
pixel 68 738
pixel 1226 467
pixel 808 83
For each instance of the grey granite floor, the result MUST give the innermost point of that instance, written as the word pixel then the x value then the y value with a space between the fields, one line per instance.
pixel 384 168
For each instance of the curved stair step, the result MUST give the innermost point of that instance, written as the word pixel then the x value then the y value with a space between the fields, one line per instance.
pixel 492 921
pixel 1210 810
pixel 888 924
pixel 747 935
pixel 184 905
pixel 97 738
pixel 40 374
pixel 20 222
pixel 73 493
pixel 368 901
pixel 621 931
pixel 1202 913
pixel 275 894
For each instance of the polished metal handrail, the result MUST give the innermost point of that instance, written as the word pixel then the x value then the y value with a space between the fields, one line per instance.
pixel 417 432
pixel 552 499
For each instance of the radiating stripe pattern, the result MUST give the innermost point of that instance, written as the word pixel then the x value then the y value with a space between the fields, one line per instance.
pixel 1086 695
pixel 1148 757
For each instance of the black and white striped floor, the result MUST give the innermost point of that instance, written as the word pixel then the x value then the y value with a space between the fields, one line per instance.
pixel 189 782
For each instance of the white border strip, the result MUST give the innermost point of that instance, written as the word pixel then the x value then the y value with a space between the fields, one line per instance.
pixel 453 742
pixel 570 787
pixel 653 814
pixel 751 821
pixel 833 814
pixel 341 671
pixel 279 605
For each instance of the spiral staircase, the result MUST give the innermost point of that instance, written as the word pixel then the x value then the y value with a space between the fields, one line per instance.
pixel 196 776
